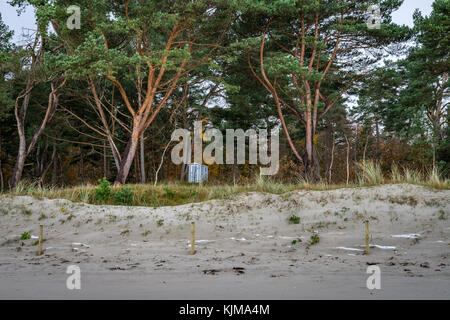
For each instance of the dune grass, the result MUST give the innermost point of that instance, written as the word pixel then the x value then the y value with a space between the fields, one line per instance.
pixel 371 173
pixel 171 194
pixel 164 194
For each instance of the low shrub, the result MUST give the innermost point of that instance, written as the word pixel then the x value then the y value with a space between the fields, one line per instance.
pixel 125 196
pixel 103 191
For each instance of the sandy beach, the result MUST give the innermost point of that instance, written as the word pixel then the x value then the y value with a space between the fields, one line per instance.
pixel 247 247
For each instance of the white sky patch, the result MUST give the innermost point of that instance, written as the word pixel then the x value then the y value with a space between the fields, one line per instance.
pixel 15 22
pixel 404 15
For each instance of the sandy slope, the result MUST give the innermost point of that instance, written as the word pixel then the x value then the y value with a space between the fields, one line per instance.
pixel 245 247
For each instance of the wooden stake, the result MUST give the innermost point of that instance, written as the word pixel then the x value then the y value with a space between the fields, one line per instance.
pixel 192 238
pixel 41 232
pixel 367 237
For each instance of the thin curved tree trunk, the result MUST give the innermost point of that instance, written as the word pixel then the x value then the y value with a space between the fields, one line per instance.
pixel 332 160
pixel 105 161
pixel 24 151
pixel 21 153
pixel 108 132
pixel 161 163
pixel 55 172
pixel 348 159
pixel 365 149
pixel 378 142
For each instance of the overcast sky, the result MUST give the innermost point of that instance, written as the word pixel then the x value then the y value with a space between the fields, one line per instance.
pixel 26 19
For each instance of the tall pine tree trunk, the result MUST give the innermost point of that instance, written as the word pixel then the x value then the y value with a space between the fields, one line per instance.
pixel 377 132
pixel 127 160
pixel 142 153
pixel 105 169
pixel 82 166
pixel 20 160
pixel 55 172
pixel 21 153
pixel 312 166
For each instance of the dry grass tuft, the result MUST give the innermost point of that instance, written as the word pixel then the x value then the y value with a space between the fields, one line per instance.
pixel 371 173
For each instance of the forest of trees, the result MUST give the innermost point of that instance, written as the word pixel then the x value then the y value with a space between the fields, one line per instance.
pixel 103 100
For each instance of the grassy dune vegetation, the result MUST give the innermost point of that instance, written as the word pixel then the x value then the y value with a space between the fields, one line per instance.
pixel 171 194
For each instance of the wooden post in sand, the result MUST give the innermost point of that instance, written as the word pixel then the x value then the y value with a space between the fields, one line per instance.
pixel 192 238
pixel 367 236
pixel 41 233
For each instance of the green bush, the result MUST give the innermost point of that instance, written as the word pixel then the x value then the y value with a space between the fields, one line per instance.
pixel 314 238
pixel 25 236
pixel 124 196
pixel 293 219
pixel 170 193
pixel 103 191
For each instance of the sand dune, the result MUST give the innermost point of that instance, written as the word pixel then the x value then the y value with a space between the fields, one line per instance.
pixel 246 247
